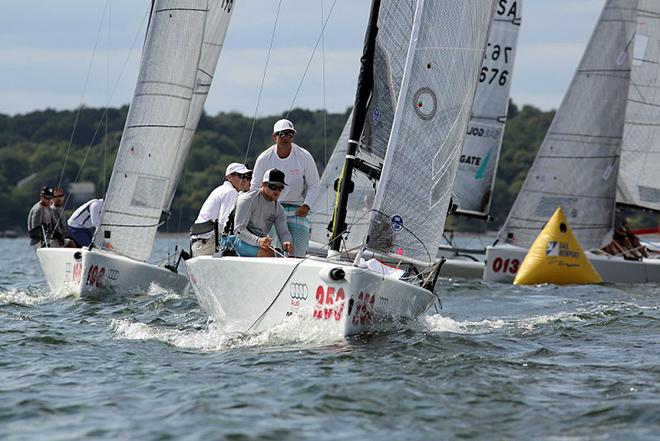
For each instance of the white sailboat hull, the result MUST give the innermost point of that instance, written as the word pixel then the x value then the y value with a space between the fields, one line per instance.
pixel 255 294
pixel 503 262
pixel 463 269
pixel 96 273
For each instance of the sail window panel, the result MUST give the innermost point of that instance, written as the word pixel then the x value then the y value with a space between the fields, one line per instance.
pixel 149 192
pixel 428 129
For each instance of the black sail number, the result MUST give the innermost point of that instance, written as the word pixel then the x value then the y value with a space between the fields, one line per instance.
pixel 493 75
pixel 227 5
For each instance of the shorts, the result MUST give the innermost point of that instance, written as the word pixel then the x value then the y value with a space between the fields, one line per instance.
pixel 82 236
pixel 243 249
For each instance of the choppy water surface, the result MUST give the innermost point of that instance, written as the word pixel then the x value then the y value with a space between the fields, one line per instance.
pixel 498 362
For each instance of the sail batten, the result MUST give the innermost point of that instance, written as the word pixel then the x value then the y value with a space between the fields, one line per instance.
pixel 175 72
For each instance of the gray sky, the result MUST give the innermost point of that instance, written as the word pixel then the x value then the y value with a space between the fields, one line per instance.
pixel 47 47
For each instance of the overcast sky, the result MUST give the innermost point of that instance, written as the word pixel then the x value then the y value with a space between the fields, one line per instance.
pixel 48 46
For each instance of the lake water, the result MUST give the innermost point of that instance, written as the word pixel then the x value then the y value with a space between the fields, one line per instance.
pixel 498 362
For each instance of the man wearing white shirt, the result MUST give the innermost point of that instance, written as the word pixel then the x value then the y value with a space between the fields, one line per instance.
pixel 218 205
pixel 84 220
pixel 302 179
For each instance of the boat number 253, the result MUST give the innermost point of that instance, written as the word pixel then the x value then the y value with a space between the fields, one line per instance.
pixel 506 265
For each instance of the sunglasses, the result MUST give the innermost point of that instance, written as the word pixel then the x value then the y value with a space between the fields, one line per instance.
pixel 288 133
pixel 243 177
pixel 276 187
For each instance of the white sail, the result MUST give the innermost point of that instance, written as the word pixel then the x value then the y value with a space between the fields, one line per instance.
pixel 475 176
pixel 440 77
pixel 639 171
pixel 576 165
pixel 178 61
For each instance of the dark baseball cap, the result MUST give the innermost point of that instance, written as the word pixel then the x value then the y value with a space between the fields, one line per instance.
pixel 274 176
pixel 47 192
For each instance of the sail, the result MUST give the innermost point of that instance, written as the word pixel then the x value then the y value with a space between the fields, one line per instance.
pixel 576 165
pixel 395 20
pixel 446 48
pixel 639 177
pixel 178 61
pixel 359 201
pixel 475 176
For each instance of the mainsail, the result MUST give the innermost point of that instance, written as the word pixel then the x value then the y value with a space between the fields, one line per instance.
pixel 446 48
pixel 178 61
pixel 639 170
pixel 576 165
pixel 475 177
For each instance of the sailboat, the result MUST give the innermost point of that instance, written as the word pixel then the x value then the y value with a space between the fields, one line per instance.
pixel 444 44
pixel 475 176
pixel 181 50
pixel 601 149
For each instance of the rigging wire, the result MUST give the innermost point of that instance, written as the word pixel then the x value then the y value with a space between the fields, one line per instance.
pixel 263 79
pixel 103 116
pixel 82 97
pixel 309 62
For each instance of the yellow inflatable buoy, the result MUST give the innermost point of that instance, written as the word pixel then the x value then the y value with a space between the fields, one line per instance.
pixel 556 257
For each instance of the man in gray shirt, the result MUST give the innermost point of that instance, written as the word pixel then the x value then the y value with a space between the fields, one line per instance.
pixel 40 219
pixel 256 213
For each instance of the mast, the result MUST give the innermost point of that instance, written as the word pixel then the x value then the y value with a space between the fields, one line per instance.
pixel 362 95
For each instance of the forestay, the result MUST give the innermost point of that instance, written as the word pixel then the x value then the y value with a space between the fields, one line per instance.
pixel 475 176
pixel 576 165
pixel 639 171
pixel 443 61
pixel 178 61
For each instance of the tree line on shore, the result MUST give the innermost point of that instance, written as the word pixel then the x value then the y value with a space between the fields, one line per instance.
pixel 44 147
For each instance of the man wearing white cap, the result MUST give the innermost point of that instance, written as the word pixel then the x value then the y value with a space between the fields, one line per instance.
pixel 217 207
pixel 257 212
pixel 302 178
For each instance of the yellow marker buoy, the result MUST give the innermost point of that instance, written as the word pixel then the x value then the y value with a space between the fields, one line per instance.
pixel 556 257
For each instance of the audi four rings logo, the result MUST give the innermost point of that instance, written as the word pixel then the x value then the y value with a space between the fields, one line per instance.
pixel 299 291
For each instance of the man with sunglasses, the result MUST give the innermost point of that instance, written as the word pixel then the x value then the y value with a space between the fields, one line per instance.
pixel 302 181
pixel 217 207
pixel 256 213
pixel 40 218
pixel 59 227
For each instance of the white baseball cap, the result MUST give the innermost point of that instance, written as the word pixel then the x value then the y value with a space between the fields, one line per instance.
pixel 283 124
pixel 237 167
